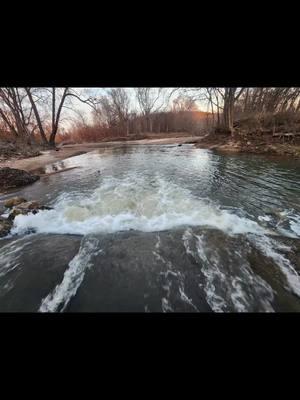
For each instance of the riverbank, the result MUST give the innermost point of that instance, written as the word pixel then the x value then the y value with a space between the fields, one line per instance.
pixel 252 144
pixel 72 150
pixel 219 142
pixel 20 150
pixel 189 229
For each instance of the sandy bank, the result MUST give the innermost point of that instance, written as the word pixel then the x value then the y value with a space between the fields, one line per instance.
pixel 52 156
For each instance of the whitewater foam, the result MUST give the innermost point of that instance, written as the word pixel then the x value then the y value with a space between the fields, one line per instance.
pixel 10 255
pixel 269 247
pixel 59 298
pixel 133 203
pixel 226 288
pixel 295 224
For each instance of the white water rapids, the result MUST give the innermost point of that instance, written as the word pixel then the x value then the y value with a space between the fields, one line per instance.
pixel 166 191
pixel 131 203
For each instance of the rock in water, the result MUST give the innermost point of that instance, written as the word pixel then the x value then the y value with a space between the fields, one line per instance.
pixel 14 201
pixel 29 205
pixel 5 226
pixel 11 178
pixel 45 208
pixel 17 211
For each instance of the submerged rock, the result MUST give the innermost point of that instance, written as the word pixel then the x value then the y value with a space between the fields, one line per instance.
pixel 45 208
pixel 26 208
pixel 31 267
pixel 20 206
pixel 12 178
pixel 182 270
pixel 21 211
pixel 5 226
pixel 29 205
pixel 14 201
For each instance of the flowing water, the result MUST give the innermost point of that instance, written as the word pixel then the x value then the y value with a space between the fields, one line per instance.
pixel 157 228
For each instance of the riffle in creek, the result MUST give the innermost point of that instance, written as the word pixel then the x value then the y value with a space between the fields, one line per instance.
pixel 157 229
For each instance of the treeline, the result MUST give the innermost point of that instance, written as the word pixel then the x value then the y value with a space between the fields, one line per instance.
pixel 121 113
pixel 42 115
pixel 263 105
pixel 193 122
pixel 146 110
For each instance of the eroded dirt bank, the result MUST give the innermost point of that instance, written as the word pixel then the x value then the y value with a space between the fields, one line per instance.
pixel 252 144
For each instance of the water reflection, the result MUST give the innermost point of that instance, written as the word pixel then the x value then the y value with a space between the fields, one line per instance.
pixel 253 184
pixel 245 261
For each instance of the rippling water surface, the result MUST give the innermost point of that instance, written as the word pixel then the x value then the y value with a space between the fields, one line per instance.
pixel 158 228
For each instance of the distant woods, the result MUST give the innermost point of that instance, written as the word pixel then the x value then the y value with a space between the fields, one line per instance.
pixel 46 115
pixel 144 110
pixel 260 106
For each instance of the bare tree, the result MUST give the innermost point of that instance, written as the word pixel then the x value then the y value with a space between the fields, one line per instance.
pixel 25 110
pixel 16 113
pixel 121 105
pixel 150 100
pixel 184 103
pixel 104 113
pixel 113 110
pixel 55 99
pixel 57 103
pixel 229 96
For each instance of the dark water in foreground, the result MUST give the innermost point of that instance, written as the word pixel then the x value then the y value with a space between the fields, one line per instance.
pixel 157 228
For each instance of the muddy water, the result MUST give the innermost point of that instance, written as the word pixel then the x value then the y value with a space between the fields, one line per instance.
pixel 157 228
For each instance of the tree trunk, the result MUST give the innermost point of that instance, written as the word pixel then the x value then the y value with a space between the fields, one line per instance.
pixel 228 116
pixel 229 100
pixel 150 124
pixel 53 109
pixel 52 139
pixel 36 113
pixel 246 100
pixel 218 112
pixel 55 118
pixel 11 127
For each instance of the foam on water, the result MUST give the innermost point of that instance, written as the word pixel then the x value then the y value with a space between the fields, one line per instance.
pixel 10 255
pixel 292 219
pixel 152 204
pixel 133 203
pixel 59 298
pixel 270 247
pixel 295 224
pixel 228 288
